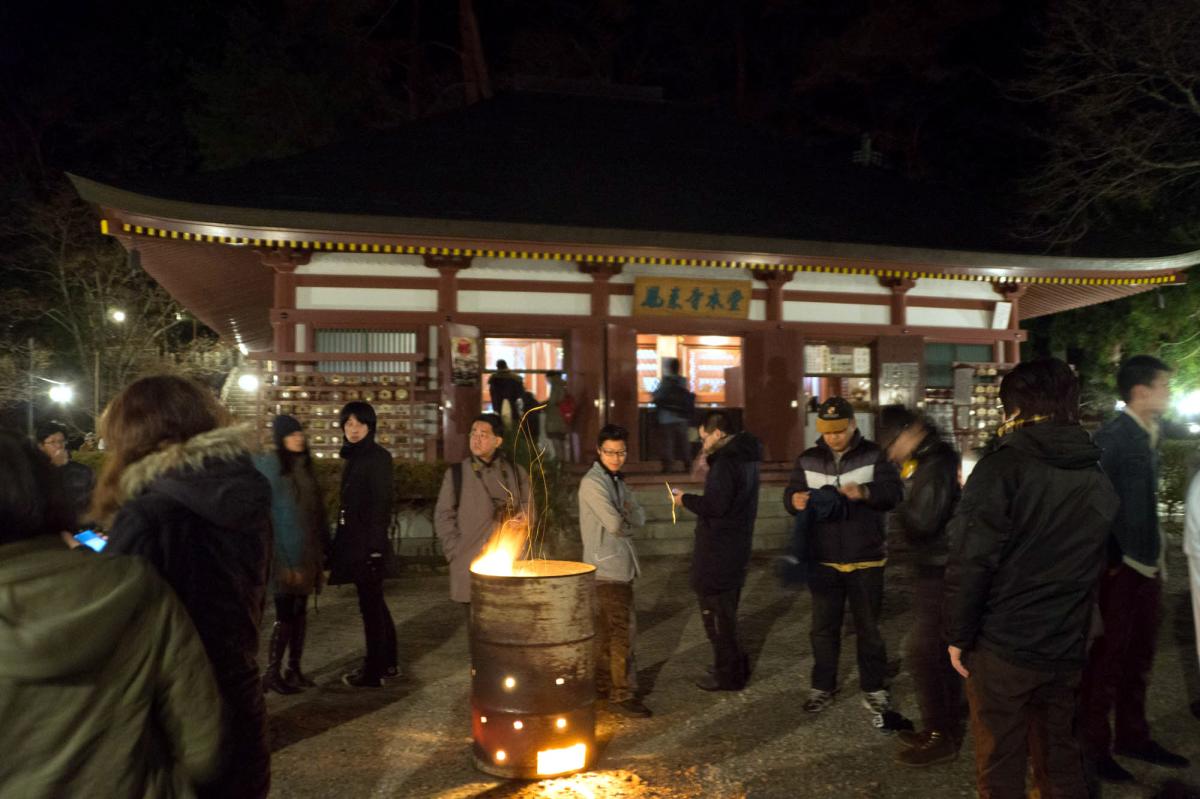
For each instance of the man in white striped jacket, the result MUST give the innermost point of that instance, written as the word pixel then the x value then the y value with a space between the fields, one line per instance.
pixel 848 553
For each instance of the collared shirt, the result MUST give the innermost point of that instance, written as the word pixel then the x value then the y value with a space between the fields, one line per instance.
pixel 1152 429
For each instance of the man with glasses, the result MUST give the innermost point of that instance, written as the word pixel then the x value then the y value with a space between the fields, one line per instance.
pixel 608 514
pixel 476 497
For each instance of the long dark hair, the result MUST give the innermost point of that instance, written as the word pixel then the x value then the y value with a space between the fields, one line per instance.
pixel 288 460
pixel 149 414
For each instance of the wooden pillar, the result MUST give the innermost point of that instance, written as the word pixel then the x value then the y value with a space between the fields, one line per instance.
pixel 448 267
pixel 601 274
pixel 1012 293
pixel 900 287
pixel 283 263
pixel 773 369
pixel 775 280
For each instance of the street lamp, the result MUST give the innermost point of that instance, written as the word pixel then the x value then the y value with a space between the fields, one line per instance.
pixel 248 382
pixel 117 315
pixel 61 393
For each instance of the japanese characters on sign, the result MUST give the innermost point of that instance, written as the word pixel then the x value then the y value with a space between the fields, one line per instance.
pixel 670 296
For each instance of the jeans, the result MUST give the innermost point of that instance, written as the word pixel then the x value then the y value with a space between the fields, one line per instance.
pixel 719 612
pixel 1118 669
pixel 831 590
pixel 1018 713
pixel 616 675
pixel 378 628
pixel 938 686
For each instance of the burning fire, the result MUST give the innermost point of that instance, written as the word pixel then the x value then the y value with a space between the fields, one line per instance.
pixel 503 549
pixel 560 761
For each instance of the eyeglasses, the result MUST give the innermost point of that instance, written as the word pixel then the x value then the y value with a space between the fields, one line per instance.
pixel 614 453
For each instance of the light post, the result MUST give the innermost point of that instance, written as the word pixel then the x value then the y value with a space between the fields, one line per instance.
pixel 117 315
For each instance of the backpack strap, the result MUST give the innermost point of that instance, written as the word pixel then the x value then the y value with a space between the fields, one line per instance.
pixel 456 477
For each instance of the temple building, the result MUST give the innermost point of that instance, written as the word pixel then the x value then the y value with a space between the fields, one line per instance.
pixel 598 238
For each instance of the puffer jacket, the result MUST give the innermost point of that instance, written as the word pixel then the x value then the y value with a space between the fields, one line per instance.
pixel 931 494
pixel 1027 547
pixel 105 688
pixel 858 537
pixel 726 513
pixel 201 513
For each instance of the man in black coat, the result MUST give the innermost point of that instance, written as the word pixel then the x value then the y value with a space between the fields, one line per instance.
pixel 725 513
pixel 929 468
pixel 848 554
pixel 1027 547
pixel 361 548
pixel 78 480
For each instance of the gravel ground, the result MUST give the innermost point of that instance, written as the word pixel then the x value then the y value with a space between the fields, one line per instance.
pixel 413 740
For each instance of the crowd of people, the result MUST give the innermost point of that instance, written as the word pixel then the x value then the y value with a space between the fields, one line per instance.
pixel 1037 584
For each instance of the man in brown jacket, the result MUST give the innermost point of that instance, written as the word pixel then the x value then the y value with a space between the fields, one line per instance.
pixel 476 496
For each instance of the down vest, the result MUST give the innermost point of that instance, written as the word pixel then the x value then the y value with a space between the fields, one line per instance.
pixel 859 536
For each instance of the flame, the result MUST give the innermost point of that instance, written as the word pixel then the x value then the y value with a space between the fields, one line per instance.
pixel 503 549
pixel 560 761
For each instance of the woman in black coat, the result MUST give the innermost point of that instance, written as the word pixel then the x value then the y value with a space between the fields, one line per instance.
pixel 361 548
pixel 181 491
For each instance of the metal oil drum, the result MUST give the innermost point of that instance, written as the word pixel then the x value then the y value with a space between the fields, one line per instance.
pixel 532 669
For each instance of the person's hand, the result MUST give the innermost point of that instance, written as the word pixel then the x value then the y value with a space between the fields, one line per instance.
pixel 291 577
pixel 853 492
pixel 956 661
pixel 676 497
pixel 800 500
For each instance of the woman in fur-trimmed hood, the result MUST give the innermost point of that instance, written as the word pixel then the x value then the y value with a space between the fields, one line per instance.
pixel 181 490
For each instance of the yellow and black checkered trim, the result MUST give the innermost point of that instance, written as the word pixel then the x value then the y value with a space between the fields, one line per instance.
pixel 534 255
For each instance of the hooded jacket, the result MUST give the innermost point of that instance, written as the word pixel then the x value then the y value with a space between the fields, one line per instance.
pixel 365 513
pixel 1027 547
pixel 726 513
pixel 608 514
pixel 858 536
pixel 105 689
pixel 931 494
pixel 200 512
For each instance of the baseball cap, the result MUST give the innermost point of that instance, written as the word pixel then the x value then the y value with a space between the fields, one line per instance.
pixel 834 415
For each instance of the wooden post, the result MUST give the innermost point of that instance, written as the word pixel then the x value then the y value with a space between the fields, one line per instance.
pixel 283 262
pixel 900 287
pixel 1012 293
pixel 460 404
pixel 775 280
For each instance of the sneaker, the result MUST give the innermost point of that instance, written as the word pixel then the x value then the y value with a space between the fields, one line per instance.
pixel 1110 770
pixel 818 700
pixel 1153 753
pixel 878 702
pixel 633 707
pixel 936 748
pixel 360 679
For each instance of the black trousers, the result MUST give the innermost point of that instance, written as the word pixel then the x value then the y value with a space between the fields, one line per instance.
pixel 939 687
pixel 719 612
pixel 378 628
pixel 862 589
pixel 1017 714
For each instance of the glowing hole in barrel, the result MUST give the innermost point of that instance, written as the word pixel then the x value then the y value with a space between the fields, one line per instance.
pixel 483 719
pixel 559 681
pixel 560 761
pixel 561 724
pixel 510 683
pixel 518 725
pixel 501 756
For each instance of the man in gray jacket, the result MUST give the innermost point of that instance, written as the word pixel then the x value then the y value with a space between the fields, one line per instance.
pixel 476 496
pixel 608 514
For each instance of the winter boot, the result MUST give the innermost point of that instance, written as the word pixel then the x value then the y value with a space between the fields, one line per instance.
pixel 272 680
pixel 293 676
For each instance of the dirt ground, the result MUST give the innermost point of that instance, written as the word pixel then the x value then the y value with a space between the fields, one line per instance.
pixel 413 739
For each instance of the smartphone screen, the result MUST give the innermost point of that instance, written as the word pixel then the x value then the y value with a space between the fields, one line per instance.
pixel 91 539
